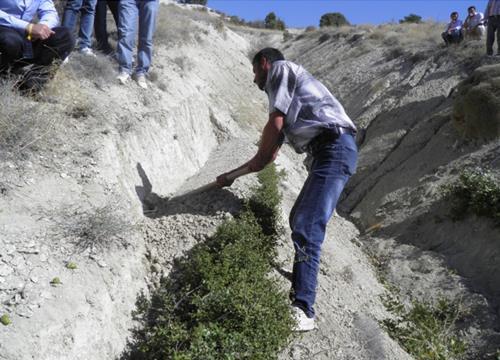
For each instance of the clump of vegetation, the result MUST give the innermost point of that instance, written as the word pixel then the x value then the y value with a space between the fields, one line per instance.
pixel 476 192
pixel 219 302
pixel 94 229
pixel 273 22
pixel 333 19
pixel 412 19
pixel 23 122
pixel 55 281
pixel 5 320
pixel 71 266
pixel 425 330
pixel 476 108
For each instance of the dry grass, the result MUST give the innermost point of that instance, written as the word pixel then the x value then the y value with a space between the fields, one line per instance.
pixel 177 26
pixel 476 110
pixel 24 123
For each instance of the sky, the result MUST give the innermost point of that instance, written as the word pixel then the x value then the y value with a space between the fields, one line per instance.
pixel 302 13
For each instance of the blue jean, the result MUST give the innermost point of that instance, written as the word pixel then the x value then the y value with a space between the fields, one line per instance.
pixel 332 166
pixel 128 13
pixel 87 9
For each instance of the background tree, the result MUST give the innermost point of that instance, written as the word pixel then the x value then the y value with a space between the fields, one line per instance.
pixel 273 22
pixel 412 18
pixel 200 2
pixel 333 19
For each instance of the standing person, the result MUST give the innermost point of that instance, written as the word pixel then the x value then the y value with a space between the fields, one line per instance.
pixel 24 42
pixel 308 115
pixel 100 24
pixel 85 8
pixel 474 24
pixel 129 13
pixel 492 13
pixel 453 32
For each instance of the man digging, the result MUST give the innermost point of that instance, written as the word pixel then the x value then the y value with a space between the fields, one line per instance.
pixel 302 110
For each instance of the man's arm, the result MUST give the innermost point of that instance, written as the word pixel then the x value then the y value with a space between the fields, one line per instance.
pixel 11 21
pixel 47 14
pixel 269 146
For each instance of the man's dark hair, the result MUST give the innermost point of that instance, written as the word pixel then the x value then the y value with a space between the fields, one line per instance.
pixel 454 13
pixel 271 54
pixel 471 8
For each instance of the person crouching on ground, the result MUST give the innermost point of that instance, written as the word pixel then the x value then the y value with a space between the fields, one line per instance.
pixel 129 13
pixel 24 42
pixel 302 110
pixel 86 10
pixel 453 32
pixel 474 24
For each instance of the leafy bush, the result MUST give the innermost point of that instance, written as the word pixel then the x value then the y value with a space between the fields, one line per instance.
pixel 474 192
pixel 333 19
pixel 426 331
pixel 273 22
pixel 219 302
pixel 412 18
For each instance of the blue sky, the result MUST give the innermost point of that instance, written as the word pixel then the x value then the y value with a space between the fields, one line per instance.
pixel 301 13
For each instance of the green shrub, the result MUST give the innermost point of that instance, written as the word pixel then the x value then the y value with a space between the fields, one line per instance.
pixel 273 22
pixel 5 319
pixel 474 192
pixel 219 301
pixel 412 18
pixel 426 331
pixel 333 19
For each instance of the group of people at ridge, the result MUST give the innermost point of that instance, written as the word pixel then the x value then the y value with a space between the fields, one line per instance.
pixel 475 26
pixel 30 34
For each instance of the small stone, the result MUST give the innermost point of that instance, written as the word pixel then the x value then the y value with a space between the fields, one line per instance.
pixel 24 311
pixel 43 257
pixel 9 249
pixel 5 270
pixel 64 175
pixel 34 279
pixel 101 263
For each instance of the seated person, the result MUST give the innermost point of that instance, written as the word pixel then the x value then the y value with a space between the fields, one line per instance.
pixel 474 24
pixel 24 42
pixel 453 32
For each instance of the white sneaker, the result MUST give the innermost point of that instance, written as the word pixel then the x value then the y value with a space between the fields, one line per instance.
pixel 304 323
pixel 141 81
pixel 87 52
pixel 123 77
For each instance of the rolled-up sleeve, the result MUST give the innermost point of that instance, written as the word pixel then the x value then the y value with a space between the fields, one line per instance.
pixel 47 14
pixel 281 88
pixel 12 21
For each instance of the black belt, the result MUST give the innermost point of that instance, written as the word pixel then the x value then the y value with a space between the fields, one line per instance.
pixel 328 136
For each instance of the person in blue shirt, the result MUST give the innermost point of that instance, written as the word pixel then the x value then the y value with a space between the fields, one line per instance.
pixel 453 32
pixel 24 41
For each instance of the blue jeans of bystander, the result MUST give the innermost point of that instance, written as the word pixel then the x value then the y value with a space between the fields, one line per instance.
pixel 129 11
pixel 333 165
pixel 87 9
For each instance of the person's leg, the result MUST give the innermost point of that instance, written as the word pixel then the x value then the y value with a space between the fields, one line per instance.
pixel 113 7
pixel 332 167
pixel 147 21
pixel 56 47
pixel 490 37
pixel 86 24
pixel 445 37
pixel 71 12
pixel 127 30
pixel 100 26
pixel 11 47
pixel 497 28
